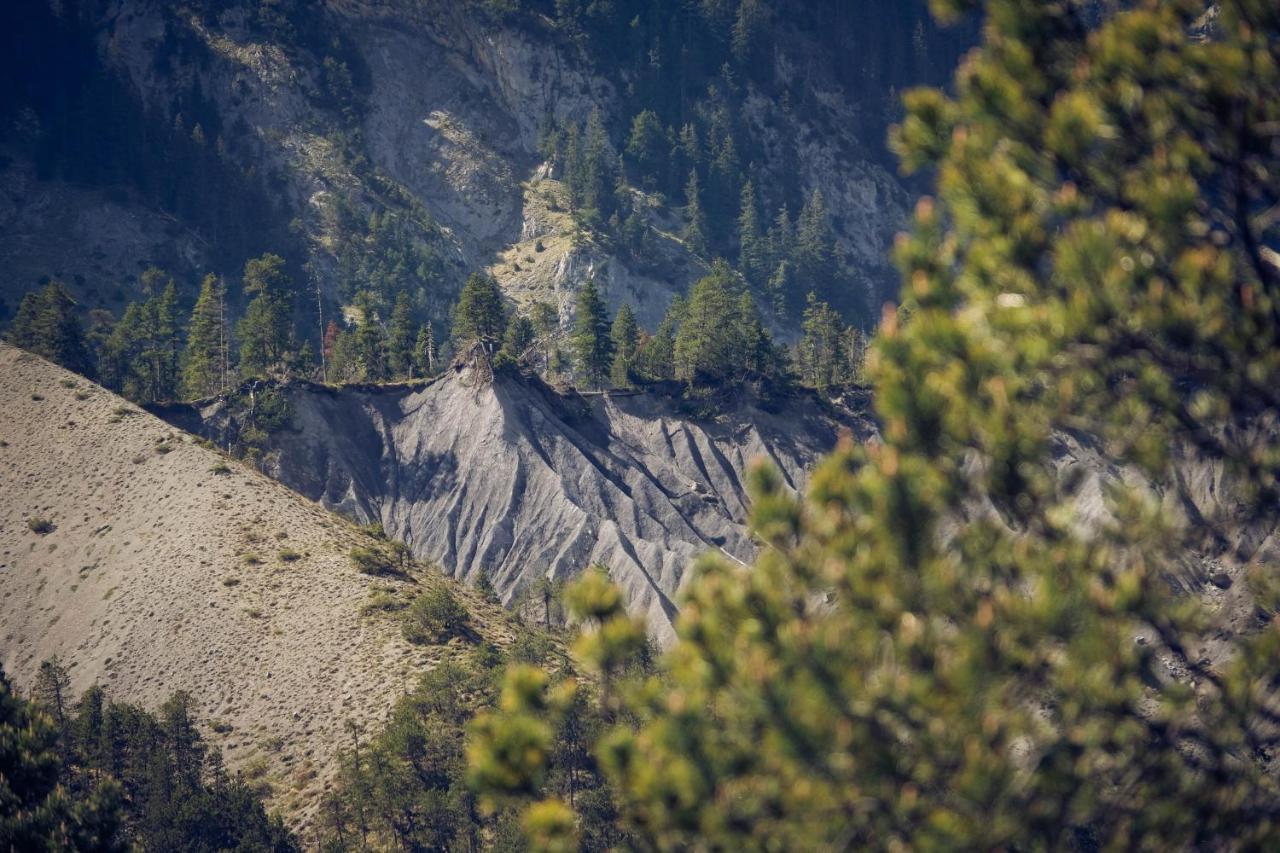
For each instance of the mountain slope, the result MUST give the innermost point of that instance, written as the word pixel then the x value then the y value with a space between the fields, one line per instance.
pixel 146 584
pixel 522 482
pixel 223 130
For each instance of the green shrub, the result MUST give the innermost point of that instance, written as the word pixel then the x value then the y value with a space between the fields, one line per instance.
pixel 252 559
pixel 220 468
pixel 371 562
pixel 288 555
pixel 41 526
pixel 383 600
pixel 434 617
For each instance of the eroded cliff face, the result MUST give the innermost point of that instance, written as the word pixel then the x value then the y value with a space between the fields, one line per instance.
pixel 519 481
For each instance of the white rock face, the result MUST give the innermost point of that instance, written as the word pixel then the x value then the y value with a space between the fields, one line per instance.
pixel 518 481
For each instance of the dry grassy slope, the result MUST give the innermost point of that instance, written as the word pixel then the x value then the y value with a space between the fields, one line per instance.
pixel 143 585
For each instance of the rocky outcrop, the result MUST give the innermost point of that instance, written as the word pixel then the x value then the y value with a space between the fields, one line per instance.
pixel 519 481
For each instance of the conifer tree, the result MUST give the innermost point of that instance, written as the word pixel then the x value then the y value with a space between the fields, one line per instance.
pixel 753 343
pixel 168 342
pixel 518 340
pixel 647 149
pixel 36 811
pixel 625 335
pixel 706 344
pixel 815 245
pixel 820 344
pixel 656 358
pixel 370 340
pixel 48 325
pixel 725 190
pixel 750 32
pixel 266 328
pixel 400 339
pixel 592 346
pixel 695 230
pixel 479 318
pixel 599 171
pixel 753 253
pixel 206 359
pixel 781 239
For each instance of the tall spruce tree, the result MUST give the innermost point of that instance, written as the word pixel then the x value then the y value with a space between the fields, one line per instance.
pixel 592 346
pixel 47 324
pixel 656 358
pixel 814 252
pixel 753 252
pixel 206 359
pixel 819 347
pixel 400 339
pixel 479 318
pixel 625 335
pixel 695 229
pixel 647 148
pixel 706 342
pixel 370 340
pixel 266 329
pixel 517 341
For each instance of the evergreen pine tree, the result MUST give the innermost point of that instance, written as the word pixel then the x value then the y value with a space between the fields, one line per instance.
pixel 815 245
pixel 370 340
pixel 400 339
pixel 168 342
pixel 656 359
pixel 820 344
pixel 705 344
pixel 575 171
pixel 625 337
pixel 37 812
pixel 725 189
pixel 206 359
pixel 932 651
pixel 750 32
pixel 479 318
pixel 518 339
pixel 592 346
pixel 599 178
pixel 266 328
pixel 781 239
pixel 753 253
pixel 695 231
pixel 647 148
pixel 48 325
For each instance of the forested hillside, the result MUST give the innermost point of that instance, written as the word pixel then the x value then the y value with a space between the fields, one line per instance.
pixel 385 153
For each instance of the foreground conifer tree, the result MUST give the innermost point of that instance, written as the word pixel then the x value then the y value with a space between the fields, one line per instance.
pixel 932 652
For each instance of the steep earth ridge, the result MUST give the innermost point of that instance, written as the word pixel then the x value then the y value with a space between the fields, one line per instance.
pixel 519 481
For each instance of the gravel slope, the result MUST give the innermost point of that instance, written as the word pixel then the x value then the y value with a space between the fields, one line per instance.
pixel 146 584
